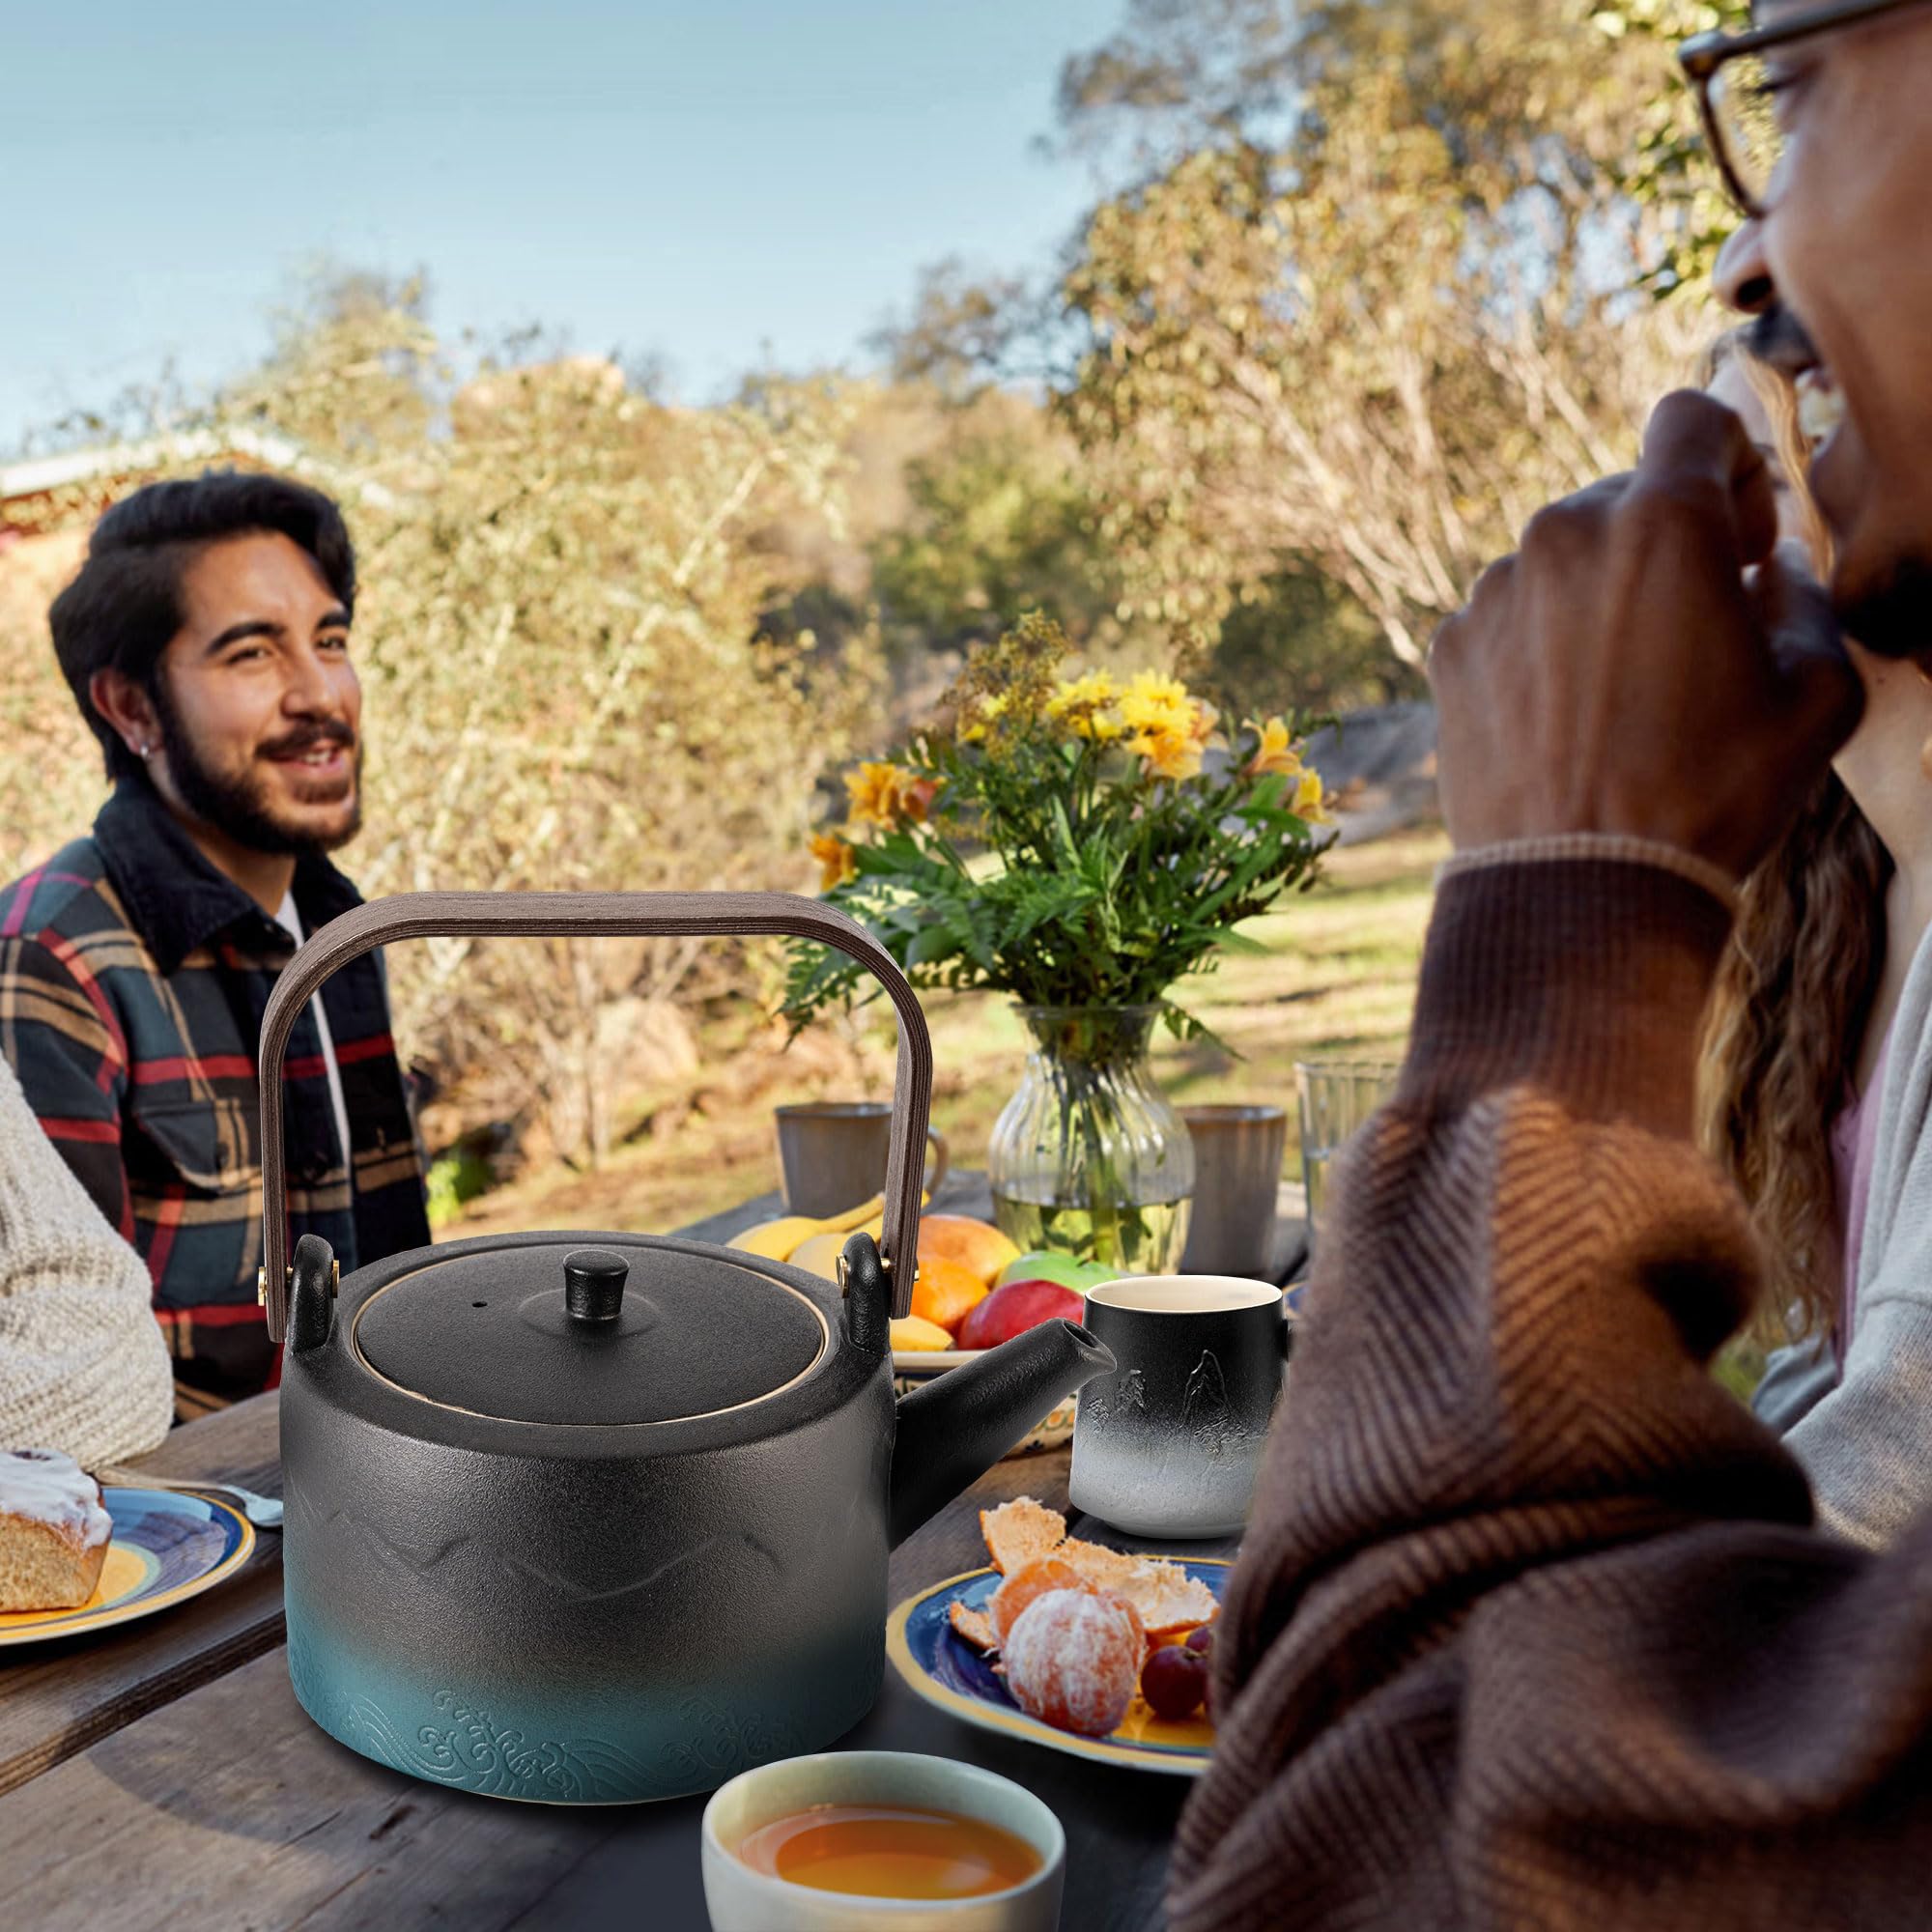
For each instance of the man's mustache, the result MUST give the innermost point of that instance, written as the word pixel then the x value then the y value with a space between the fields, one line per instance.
pixel 308 738
pixel 1778 340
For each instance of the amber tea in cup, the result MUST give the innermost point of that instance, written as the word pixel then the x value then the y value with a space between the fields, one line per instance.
pixel 891 1851
pixel 880 1841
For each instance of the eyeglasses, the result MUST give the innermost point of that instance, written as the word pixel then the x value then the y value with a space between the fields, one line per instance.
pixel 1738 88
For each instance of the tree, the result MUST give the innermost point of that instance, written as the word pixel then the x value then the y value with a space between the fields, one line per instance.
pixel 998 521
pixel 1380 339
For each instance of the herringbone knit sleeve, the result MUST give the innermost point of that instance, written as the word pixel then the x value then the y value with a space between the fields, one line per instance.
pixel 1530 1628
pixel 83 1367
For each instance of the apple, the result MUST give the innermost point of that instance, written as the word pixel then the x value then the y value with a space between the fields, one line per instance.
pixel 1067 1269
pixel 1017 1306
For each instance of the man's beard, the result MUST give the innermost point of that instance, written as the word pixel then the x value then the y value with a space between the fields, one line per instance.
pixel 237 806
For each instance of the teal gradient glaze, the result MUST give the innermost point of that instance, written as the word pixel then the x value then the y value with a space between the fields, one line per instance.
pixel 624 1743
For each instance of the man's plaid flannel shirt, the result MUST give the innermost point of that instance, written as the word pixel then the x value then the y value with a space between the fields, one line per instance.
pixel 133 978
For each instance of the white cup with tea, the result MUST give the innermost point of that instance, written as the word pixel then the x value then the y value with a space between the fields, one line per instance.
pixel 880 1841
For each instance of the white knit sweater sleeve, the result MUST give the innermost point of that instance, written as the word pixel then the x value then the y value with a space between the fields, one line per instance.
pixel 1867 1445
pixel 83 1367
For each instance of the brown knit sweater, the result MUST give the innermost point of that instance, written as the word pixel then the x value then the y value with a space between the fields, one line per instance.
pixel 1530 1628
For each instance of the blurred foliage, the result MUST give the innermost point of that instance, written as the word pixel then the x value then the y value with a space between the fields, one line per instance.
pixel 1297 641
pixel 998 521
pixel 1666 166
pixel 1127 834
pixel 1380 315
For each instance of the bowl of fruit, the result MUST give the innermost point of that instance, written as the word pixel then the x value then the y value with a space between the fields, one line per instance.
pixel 974 1289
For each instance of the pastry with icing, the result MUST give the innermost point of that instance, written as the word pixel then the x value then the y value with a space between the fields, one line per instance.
pixel 54 1531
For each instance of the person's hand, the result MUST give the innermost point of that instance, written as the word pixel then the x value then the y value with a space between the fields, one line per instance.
pixel 1647 664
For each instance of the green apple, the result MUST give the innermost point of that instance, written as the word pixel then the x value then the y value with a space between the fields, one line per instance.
pixel 1065 1269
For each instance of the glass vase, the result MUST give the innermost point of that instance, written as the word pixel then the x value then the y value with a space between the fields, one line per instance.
pixel 1088 1158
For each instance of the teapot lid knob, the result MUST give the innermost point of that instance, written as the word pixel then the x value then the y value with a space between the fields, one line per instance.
pixel 593 1283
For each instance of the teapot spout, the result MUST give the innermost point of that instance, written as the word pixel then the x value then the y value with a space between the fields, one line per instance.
pixel 955 1427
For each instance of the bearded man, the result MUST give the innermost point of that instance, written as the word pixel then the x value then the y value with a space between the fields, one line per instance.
pixel 207 641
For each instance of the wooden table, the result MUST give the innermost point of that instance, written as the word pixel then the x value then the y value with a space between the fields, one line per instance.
pixel 161 1775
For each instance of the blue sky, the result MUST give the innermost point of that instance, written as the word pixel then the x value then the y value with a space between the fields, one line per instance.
pixel 716 182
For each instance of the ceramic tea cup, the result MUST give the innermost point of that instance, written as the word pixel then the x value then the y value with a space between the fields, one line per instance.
pixel 740 1899
pixel 1169 1445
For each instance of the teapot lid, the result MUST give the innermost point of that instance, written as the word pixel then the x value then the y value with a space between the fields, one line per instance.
pixel 551 1328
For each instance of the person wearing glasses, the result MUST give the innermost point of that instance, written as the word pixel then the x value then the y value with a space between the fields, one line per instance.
pixel 1533 1625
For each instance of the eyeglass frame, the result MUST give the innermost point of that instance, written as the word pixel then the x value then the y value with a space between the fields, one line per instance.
pixel 1705 55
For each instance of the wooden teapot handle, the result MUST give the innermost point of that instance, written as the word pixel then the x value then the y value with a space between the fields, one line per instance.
pixel 583 916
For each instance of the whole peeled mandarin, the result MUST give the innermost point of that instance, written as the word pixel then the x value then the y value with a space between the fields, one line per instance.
pixel 1073 1661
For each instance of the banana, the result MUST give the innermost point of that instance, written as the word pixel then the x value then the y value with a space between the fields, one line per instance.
pixel 820 1254
pixel 781 1239
pixel 854 1217
pixel 774 1240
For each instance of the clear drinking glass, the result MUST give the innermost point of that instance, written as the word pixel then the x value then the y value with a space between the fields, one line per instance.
pixel 1337 1096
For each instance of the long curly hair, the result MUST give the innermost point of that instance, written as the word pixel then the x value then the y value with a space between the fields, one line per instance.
pixel 1795 991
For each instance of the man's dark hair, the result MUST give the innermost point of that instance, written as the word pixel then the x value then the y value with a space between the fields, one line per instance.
pixel 126 604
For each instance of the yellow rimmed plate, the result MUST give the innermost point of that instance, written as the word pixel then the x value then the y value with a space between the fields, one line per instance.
pixel 167 1546
pixel 948 1672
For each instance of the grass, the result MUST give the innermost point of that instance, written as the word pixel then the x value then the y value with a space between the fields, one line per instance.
pixel 1338 977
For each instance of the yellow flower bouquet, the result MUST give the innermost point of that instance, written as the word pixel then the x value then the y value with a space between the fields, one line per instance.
pixel 1121 834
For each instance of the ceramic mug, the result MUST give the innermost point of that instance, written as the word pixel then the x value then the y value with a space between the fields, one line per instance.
pixel 1170 1444
pixel 740 1899
pixel 832 1154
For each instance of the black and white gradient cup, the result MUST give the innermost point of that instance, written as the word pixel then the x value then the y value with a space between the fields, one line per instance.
pixel 1170 1444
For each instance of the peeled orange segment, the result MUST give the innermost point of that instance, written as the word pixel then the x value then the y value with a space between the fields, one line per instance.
pixel 974 1626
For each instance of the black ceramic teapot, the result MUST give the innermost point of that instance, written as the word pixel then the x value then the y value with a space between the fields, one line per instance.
pixel 597 1517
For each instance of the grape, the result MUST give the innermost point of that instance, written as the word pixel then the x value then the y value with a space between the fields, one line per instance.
pixel 1201 1640
pixel 1173 1680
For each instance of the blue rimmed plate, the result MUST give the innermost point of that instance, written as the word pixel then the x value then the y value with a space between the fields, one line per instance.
pixel 946 1670
pixel 166 1547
